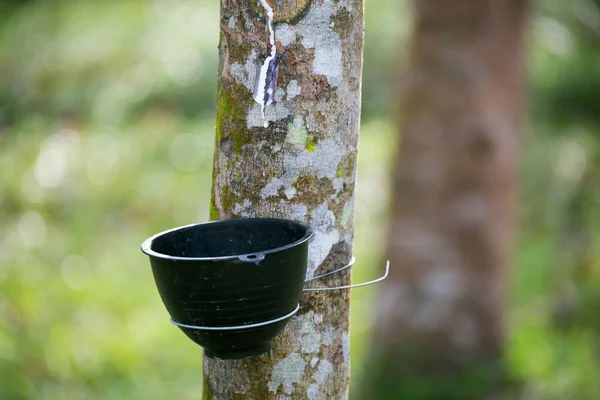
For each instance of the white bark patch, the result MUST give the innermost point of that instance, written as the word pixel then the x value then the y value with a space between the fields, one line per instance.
pixel 309 339
pixel 299 212
pixel 254 117
pixel 346 346
pixel 286 372
pixel 321 247
pixel 285 35
pixel 293 89
pixel 323 218
pixel 279 94
pixel 322 162
pixel 272 188
pixel 246 74
pixel 329 334
pixel 317 34
pixel 289 193
pixel 243 210
pixel 231 22
pixel 273 112
pixel 277 111
pixel 320 375
pixel 326 158
pixel 338 186
pixel 325 368
pixel 348 239
pixel 314 362
pixel 264 91
pixel 326 235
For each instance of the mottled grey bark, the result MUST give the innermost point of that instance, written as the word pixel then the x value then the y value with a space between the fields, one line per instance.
pixel 300 164
pixel 441 324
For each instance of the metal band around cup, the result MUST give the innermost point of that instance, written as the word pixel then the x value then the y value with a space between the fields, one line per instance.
pixel 232 328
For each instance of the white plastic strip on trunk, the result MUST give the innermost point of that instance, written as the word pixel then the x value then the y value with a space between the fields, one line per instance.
pixel 263 94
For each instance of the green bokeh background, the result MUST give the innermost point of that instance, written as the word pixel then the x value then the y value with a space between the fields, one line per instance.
pixel 106 137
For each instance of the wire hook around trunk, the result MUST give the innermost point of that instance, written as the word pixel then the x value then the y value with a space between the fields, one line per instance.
pixel 351 263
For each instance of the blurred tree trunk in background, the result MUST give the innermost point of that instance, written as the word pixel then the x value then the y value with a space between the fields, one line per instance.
pixel 441 324
pixel 300 165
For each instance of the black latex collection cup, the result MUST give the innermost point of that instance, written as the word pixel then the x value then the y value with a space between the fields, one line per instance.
pixel 232 285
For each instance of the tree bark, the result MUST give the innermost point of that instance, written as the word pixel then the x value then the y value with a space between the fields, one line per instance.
pixel 296 160
pixel 441 324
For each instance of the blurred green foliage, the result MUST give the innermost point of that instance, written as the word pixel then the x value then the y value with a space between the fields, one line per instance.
pixel 106 137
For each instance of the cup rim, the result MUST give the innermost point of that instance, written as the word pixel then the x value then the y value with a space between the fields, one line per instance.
pixel 146 246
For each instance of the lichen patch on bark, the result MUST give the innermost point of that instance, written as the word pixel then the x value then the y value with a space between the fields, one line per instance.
pixel 325 236
pixel 287 372
pixel 284 34
pixel 246 74
pixel 317 33
pixel 320 375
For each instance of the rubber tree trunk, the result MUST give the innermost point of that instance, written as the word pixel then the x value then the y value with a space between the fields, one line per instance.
pixel 288 118
pixel 441 324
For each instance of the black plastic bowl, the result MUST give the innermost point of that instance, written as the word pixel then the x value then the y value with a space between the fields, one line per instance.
pixel 219 280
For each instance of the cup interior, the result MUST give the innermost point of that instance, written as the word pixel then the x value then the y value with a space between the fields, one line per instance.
pixel 229 238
